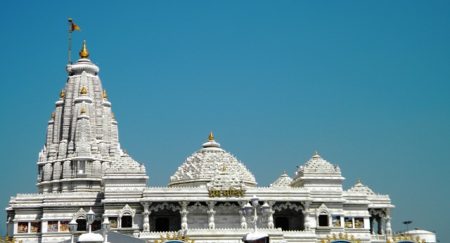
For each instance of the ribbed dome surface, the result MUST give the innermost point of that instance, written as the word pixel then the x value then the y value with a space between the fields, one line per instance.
pixel 283 181
pixel 201 167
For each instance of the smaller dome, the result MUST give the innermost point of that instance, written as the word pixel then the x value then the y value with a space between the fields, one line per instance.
pixel 90 237
pixel 361 188
pixel 318 165
pixel 283 181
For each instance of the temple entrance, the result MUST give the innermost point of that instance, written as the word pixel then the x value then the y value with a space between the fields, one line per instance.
pixel 288 216
pixel 165 220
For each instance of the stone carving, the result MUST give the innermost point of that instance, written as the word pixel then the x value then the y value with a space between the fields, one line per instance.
pixel 161 206
pixel 323 209
pixel 80 214
pixel 283 181
pixel 318 165
pixel 361 188
pixel 203 165
pixel 288 205
pixel 127 210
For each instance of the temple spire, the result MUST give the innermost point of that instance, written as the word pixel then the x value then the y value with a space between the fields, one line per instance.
pixel 211 136
pixel 84 53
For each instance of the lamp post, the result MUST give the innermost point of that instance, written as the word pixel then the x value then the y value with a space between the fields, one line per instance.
pixel 90 216
pixel 72 228
pixel 248 208
pixel 106 226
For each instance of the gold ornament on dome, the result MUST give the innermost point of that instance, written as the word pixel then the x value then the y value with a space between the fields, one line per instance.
pixel 337 237
pixel 175 236
pixel 211 136
pixel 104 94
pixel 84 53
pixel 62 94
pixel 83 90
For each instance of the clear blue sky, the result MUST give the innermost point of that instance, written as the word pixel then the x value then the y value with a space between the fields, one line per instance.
pixel 366 83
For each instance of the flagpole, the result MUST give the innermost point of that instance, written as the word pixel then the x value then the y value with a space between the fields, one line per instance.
pixel 70 41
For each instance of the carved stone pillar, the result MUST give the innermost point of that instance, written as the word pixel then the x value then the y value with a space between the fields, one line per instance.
pixel 270 212
pixel 306 220
pixel 242 215
pixel 388 226
pixel 184 212
pixel 211 212
pixel 146 220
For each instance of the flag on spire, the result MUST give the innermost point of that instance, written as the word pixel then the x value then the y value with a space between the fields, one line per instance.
pixel 73 26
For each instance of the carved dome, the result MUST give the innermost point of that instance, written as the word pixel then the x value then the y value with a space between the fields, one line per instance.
pixel 318 165
pixel 283 181
pixel 361 188
pixel 202 166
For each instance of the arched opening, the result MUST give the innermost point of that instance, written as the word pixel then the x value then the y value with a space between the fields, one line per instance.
pixel 81 224
pixel 288 216
pixel 127 221
pixel 165 220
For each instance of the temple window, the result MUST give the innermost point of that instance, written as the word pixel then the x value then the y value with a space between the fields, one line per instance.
pixel 64 226
pixel 336 220
pixel 22 227
pixel 35 227
pixel 127 221
pixel 323 220
pixel 359 223
pixel 113 222
pixel 348 222
pixel 81 225
pixel 282 222
pixel 52 226
pixel 81 167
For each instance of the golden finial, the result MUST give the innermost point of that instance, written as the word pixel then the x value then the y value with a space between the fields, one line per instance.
pixel 84 53
pixel 53 115
pixel 62 94
pixel 104 94
pixel 83 90
pixel 82 111
pixel 211 136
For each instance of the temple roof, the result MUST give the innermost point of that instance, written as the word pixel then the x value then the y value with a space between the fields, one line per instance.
pixel 283 181
pixel 202 166
pixel 318 165
pixel 361 188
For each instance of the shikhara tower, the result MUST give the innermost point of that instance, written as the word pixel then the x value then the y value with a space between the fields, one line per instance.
pixel 82 143
pixel 83 167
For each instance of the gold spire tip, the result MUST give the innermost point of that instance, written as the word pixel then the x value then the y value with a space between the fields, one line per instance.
pixel 211 136
pixel 104 94
pixel 84 53
pixel 62 94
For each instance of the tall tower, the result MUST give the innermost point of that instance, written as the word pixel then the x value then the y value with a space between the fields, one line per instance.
pixel 82 143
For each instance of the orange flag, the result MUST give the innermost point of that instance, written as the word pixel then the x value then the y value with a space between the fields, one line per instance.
pixel 73 26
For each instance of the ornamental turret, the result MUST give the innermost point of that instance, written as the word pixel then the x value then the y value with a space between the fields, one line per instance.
pixel 317 174
pixel 82 143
